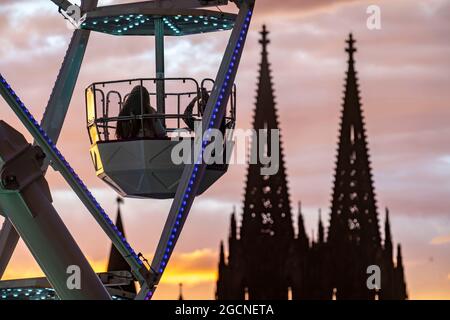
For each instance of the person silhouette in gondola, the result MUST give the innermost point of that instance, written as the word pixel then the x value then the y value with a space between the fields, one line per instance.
pixel 188 116
pixel 137 103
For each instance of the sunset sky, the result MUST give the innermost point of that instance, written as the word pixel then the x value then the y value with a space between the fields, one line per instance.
pixel 404 76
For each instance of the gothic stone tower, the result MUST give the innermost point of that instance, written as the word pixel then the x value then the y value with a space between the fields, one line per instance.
pixel 354 236
pixel 354 240
pixel 257 262
pixel 116 262
pixel 266 259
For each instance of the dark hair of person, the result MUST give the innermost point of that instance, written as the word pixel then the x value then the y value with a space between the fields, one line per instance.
pixel 136 103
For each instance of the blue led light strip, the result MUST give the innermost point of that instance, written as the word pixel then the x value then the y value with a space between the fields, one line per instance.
pixel 199 165
pixel 61 164
pixel 171 26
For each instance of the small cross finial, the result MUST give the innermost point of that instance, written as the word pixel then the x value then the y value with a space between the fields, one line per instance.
pixel 264 40
pixel 351 48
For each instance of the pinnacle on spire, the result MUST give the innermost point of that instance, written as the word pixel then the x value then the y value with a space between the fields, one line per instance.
pixel 321 236
pixel 300 223
pixel 387 229
pixel 387 223
pixel 387 237
pixel 221 255
pixel 302 236
pixel 265 112
pixel 264 38
pixel 233 225
pixel 399 256
pixel 116 262
pixel 351 49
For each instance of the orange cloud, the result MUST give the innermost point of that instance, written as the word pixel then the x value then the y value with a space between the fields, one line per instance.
pixel 192 267
pixel 31 269
pixel 188 267
pixel 441 240
pixel 433 296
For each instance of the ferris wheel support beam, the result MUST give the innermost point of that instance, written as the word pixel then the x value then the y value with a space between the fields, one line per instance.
pixel 159 59
pixel 8 242
pixel 58 104
pixel 26 200
pixel 54 115
pixel 212 119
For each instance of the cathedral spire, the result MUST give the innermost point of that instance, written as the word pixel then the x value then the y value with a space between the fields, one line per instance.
pixel 353 233
pixel 116 262
pixel 354 217
pixel 265 110
pixel 267 210
pixel 266 232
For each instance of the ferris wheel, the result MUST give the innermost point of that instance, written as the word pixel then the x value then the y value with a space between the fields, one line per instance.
pixel 132 125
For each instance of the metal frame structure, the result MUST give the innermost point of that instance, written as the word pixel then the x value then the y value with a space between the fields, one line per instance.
pixel 46 135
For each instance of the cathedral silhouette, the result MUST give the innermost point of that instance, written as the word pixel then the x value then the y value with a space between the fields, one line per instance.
pixel 268 260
